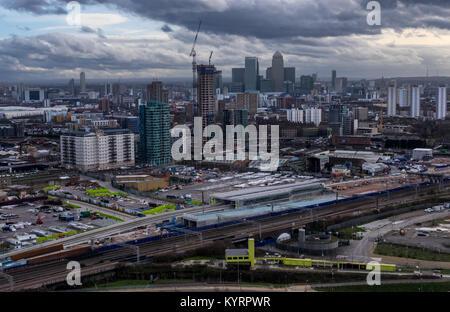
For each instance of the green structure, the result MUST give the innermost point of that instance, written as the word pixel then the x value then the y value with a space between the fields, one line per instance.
pixel 155 141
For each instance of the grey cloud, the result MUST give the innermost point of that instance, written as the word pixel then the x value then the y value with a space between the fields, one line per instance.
pixel 269 19
pixel 89 30
pixel 166 28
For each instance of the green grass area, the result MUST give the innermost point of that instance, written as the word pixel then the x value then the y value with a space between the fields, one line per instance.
pixel 104 192
pixel 387 249
pixel 128 283
pixel 159 209
pixel 110 194
pixel 109 216
pixel 55 236
pixel 196 202
pixel 445 271
pixel 92 192
pixel 264 285
pixel 406 287
pixel 49 188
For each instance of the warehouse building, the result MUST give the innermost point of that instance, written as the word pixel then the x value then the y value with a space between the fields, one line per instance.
pixel 263 194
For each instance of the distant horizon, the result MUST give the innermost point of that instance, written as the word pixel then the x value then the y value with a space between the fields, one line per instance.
pixel 188 80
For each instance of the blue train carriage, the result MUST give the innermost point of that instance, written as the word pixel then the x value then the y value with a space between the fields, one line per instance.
pixel 8 264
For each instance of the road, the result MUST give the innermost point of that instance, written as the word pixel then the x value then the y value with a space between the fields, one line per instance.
pixel 363 248
pixel 111 212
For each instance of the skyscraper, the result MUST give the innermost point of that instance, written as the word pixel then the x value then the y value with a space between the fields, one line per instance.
pixel 415 102
pixel 289 74
pixel 72 87
pixel 340 84
pixel 155 92
pixel 154 129
pixel 218 82
pixel 392 105
pixel 205 93
pixel 238 75
pixel 306 83
pixel 441 105
pixel 82 82
pixel 251 74
pixel 333 80
pixel 277 72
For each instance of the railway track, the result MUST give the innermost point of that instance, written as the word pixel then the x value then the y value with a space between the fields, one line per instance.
pixel 30 276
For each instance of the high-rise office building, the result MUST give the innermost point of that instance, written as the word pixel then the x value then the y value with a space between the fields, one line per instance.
pixel 306 83
pixel 392 105
pixel 154 127
pixel 156 92
pixel 415 102
pixel 333 80
pixel 205 93
pixel 82 82
pixel 277 72
pixel 218 82
pixel 341 84
pixel 441 105
pixel 289 74
pixel 238 75
pixel 251 74
pixel 266 85
pixel 72 87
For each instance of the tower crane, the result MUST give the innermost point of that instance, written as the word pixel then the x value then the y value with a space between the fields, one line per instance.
pixel 210 55
pixel 194 70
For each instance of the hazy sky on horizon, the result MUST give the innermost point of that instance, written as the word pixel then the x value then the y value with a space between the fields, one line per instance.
pixel 152 39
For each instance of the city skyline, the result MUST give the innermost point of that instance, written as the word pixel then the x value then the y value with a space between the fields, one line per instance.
pixel 148 40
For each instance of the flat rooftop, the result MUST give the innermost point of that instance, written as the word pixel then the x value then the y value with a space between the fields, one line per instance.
pixel 264 191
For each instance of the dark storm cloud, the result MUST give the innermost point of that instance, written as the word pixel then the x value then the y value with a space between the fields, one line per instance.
pixel 39 7
pixel 59 52
pixel 269 19
pixel 166 28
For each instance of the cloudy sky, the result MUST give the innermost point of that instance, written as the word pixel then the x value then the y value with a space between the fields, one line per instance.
pixel 41 39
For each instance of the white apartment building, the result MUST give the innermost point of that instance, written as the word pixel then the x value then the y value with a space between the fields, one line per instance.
pixel 295 115
pixel 313 115
pixel 415 102
pixel 441 105
pixel 403 97
pixel 309 115
pixel 100 150
pixel 392 101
